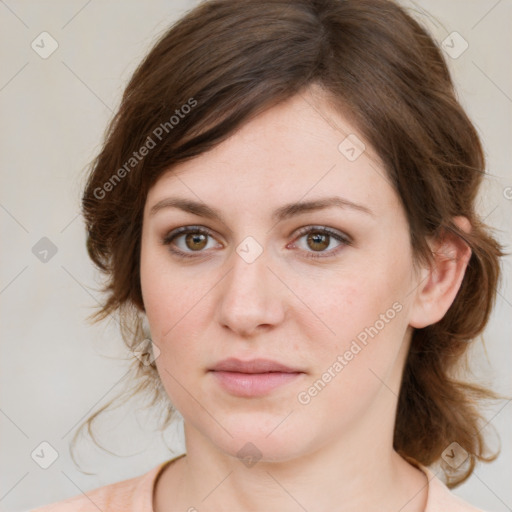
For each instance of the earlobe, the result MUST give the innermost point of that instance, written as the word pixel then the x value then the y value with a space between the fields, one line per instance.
pixel 438 285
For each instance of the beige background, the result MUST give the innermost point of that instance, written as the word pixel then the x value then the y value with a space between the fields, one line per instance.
pixel 55 368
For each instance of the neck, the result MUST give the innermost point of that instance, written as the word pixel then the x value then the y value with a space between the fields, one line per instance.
pixel 359 472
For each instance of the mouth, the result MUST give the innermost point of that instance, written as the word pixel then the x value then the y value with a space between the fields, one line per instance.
pixel 253 378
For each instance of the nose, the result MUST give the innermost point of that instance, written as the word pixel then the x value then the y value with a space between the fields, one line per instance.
pixel 251 296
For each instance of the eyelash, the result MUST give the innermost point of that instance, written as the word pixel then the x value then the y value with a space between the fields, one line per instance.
pixel 346 241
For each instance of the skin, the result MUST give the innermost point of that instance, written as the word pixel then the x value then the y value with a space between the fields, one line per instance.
pixel 334 452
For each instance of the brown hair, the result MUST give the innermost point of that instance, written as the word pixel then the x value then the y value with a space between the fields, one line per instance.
pixel 228 61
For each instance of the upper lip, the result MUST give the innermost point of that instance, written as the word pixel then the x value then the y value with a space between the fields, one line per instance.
pixel 253 366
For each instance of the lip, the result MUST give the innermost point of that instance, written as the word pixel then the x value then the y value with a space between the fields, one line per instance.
pixel 253 366
pixel 256 377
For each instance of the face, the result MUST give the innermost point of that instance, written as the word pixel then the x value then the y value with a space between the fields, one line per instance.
pixel 323 291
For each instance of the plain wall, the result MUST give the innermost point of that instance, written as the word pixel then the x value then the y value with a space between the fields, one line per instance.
pixel 55 368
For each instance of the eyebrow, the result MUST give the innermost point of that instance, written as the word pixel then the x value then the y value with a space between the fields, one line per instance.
pixel 282 213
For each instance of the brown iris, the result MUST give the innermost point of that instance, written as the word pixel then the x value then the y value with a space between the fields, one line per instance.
pixel 198 240
pixel 320 240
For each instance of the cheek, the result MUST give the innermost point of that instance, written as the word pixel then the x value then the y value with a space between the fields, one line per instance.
pixel 175 302
pixel 165 292
pixel 173 311
pixel 365 311
pixel 355 300
pixel 349 368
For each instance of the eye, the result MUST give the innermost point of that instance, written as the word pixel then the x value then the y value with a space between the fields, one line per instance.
pixel 319 238
pixel 195 240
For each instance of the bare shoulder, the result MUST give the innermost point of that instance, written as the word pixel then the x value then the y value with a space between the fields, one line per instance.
pixel 441 499
pixel 127 495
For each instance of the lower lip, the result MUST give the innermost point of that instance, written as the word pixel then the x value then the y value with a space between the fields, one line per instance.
pixel 253 384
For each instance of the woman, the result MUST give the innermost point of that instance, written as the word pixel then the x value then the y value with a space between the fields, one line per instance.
pixel 286 196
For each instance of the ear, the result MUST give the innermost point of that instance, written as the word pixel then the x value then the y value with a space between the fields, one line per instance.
pixel 437 286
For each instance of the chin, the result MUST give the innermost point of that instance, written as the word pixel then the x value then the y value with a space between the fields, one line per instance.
pixel 257 439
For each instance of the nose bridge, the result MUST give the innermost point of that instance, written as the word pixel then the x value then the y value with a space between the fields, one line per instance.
pixel 249 295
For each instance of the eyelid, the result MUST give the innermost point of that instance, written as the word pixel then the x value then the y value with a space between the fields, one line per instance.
pixel 343 238
pixel 340 236
pixel 185 230
pixel 323 229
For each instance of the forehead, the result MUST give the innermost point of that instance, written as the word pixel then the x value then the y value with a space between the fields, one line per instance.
pixel 299 149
